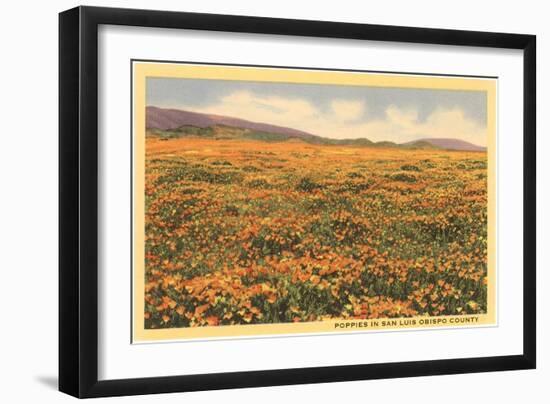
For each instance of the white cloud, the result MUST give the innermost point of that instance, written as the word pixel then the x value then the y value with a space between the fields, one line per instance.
pixel 403 118
pixel 344 119
pixel 346 110
pixel 256 106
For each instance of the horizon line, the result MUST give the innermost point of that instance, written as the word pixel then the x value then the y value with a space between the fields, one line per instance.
pixel 310 133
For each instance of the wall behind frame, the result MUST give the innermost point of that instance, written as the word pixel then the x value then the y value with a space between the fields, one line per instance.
pixel 28 207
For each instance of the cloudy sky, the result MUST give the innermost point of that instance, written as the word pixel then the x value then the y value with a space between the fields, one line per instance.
pixel 335 111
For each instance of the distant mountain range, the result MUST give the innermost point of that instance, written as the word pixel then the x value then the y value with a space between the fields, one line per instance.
pixel 177 123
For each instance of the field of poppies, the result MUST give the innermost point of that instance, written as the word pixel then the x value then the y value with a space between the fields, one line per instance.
pixel 248 232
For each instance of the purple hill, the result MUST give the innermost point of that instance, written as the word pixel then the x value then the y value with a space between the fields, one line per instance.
pixel 452 144
pixel 166 119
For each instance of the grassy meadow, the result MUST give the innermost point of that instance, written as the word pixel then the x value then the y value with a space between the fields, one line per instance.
pixel 243 231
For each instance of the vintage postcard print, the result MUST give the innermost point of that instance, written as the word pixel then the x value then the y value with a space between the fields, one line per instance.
pixel 271 201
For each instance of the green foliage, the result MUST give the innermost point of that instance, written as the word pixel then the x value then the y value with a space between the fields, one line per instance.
pixel 403 177
pixel 410 167
pixel 308 185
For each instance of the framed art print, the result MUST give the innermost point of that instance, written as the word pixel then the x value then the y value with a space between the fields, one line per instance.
pixel 247 228
pixel 249 201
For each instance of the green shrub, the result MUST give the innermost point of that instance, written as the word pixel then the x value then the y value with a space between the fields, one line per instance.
pixel 308 185
pixel 404 177
pixel 410 167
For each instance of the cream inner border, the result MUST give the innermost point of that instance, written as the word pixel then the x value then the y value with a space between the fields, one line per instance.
pixel 142 70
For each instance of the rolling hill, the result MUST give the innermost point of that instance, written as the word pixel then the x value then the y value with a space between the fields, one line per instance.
pixel 173 123
pixel 451 144
pixel 169 119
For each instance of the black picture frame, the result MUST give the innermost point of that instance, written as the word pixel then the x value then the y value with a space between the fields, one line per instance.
pixel 78 200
